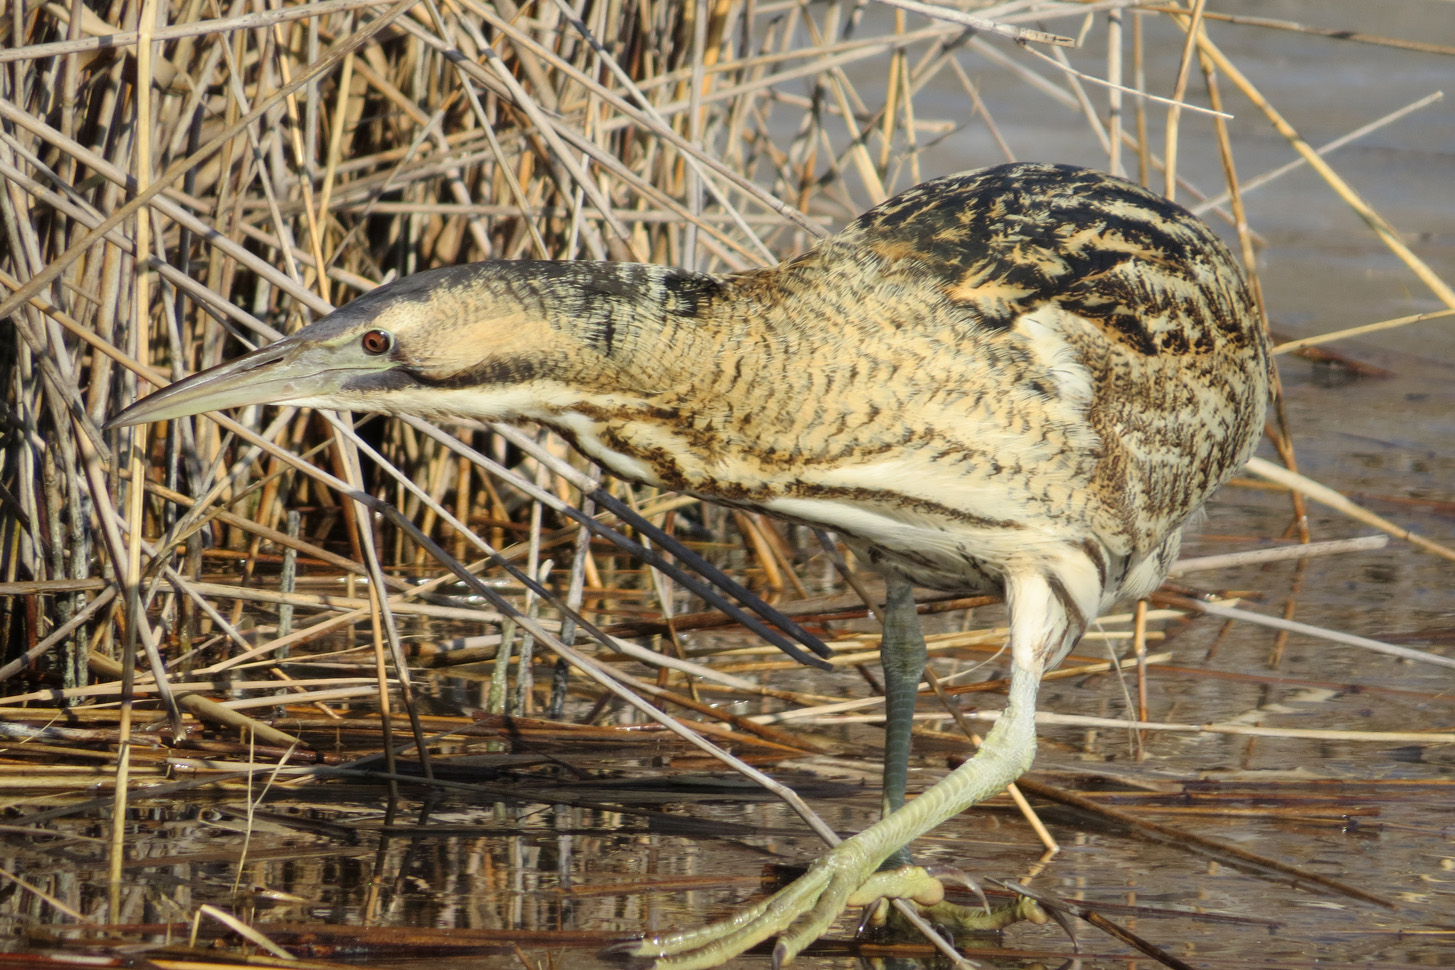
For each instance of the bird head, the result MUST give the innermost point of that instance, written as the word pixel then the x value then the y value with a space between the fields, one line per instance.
pixel 458 340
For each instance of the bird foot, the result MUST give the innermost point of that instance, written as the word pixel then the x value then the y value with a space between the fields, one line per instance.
pixel 803 911
pixel 797 914
pixel 926 887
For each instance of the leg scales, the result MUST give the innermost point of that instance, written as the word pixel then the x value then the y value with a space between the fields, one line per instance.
pixel 805 909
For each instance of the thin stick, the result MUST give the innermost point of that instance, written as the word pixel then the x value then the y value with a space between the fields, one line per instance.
pixel 1292 626
pixel 1020 35
pixel 1257 181
pixel 1179 90
pixel 1114 94
pixel 1140 95
pixel 1139 651
pixel 132 577
pixel 1306 550
pixel 1331 32
pixel 1050 719
pixel 1327 496
pixel 1290 346
pixel 1387 233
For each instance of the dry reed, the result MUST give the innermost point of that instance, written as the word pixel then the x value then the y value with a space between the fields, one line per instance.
pixel 182 181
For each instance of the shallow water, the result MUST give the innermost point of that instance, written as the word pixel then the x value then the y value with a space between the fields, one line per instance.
pixel 517 872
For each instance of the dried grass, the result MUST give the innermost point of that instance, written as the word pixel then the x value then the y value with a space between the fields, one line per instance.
pixel 297 155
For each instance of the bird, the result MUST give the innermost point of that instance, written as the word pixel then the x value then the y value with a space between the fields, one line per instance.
pixel 1021 380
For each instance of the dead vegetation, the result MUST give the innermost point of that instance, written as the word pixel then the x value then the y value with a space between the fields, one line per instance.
pixel 272 637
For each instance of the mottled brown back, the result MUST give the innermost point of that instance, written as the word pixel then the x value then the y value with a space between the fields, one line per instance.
pixel 1010 366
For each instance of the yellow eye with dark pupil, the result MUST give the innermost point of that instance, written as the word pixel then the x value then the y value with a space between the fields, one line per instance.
pixel 377 342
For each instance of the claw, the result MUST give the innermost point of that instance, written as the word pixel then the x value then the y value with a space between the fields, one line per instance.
pixel 1063 921
pixel 960 877
pixel 1032 911
pixel 627 953
pixel 873 917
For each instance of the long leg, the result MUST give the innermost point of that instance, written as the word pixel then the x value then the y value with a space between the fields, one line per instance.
pixel 1042 624
pixel 902 655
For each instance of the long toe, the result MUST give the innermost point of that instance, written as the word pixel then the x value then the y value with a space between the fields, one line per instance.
pixel 718 942
pixel 960 920
pixel 907 882
pixel 798 914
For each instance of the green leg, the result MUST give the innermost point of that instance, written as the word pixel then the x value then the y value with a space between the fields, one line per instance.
pixel 903 655
pixel 903 658
pixel 849 874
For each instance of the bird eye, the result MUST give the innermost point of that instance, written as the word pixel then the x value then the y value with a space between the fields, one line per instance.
pixel 377 342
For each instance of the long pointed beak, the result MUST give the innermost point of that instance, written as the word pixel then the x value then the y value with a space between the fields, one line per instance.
pixel 296 371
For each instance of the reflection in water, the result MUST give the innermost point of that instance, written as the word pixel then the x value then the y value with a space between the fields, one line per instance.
pixel 530 855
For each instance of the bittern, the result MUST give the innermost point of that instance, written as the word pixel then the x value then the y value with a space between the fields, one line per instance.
pixel 1021 380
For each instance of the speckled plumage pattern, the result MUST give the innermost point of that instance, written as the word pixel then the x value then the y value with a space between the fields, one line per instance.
pixel 1022 379
pixel 1030 364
